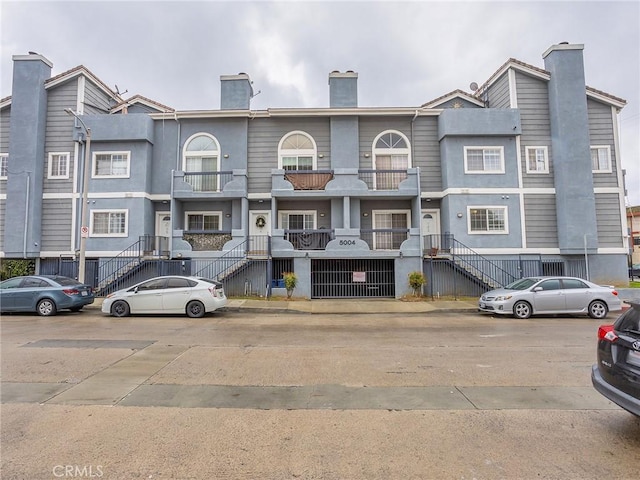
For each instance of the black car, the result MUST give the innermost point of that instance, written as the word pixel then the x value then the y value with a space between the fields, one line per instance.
pixel 617 373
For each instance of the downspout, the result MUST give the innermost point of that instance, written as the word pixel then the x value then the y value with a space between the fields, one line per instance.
pixel 26 218
pixel 171 200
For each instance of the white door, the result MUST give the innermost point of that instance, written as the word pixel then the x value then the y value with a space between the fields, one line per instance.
pixel 163 232
pixel 430 225
pixel 259 231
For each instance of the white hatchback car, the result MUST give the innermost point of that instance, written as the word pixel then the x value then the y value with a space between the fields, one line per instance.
pixel 551 295
pixel 192 296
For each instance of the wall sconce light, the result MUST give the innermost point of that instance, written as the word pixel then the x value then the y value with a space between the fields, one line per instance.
pixel 321 156
pixel 228 215
pixel 459 215
pixel 365 214
pixel 226 155
pixel 322 214
pixel 366 155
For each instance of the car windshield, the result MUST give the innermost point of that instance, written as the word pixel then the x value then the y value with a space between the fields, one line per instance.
pixel 522 284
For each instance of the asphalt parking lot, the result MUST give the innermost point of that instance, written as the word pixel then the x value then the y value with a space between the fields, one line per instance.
pixel 294 395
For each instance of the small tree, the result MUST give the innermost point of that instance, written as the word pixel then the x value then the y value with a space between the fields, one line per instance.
pixel 290 282
pixel 416 281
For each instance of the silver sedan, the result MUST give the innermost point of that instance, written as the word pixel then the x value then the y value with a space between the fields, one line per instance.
pixel 192 296
pixel 551 295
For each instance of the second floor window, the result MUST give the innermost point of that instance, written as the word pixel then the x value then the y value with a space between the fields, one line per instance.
pixel 111 164
pixel 109 223
pixel 537 160
pixel 201 156
pixel 205 221
pixel 484 159
pixel 601 159
pixel 391 159
pixel 58 165
pixel 297 151
pixel 487 220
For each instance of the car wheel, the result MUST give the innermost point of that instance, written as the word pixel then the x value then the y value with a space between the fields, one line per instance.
pixel 120 308
pixel 598 309
pixel 46 307
pixel 522 310
pixel 195 309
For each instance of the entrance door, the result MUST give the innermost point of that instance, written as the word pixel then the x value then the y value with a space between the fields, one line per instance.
pixel 163 233
pixel 430 226
pixel 259 232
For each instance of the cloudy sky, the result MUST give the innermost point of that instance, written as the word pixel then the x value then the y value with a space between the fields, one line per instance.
pixel 405 52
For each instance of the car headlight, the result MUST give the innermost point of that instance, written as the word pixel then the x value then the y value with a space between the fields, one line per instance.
pixel 503 298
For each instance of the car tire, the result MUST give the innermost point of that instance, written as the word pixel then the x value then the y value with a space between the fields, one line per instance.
pixel 46 307
pixel 522 310
pixel 195 309
pixel 120 308
pixel 598 309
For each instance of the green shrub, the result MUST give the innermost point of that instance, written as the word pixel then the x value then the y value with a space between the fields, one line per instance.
pixel 16 268
pixel 416 281
pixel 290 282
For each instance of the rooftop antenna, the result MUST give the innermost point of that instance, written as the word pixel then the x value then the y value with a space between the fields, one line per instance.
pixel 119 92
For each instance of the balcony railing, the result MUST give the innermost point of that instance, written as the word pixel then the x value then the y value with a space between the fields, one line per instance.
pixel 385 238
pixel 382 179
pixel 308 179
pixel 309 239
pixel 206 240
pixel 208 181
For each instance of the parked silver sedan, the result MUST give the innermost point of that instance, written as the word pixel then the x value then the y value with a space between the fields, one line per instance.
pixel 192 296
pixel 551 295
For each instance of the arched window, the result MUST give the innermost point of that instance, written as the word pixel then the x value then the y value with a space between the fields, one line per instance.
pixel 200 161
pixel 392 158
pixel 297 151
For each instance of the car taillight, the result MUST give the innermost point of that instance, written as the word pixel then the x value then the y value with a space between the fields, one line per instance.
pixel 614 292
pixel 71 291
pixel 605 332
pixel 212 290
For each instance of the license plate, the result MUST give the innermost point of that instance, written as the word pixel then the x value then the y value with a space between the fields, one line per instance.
pixel 84 293
pixel 482 305
pixel 633 357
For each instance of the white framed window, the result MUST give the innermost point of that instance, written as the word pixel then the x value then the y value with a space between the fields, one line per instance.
pixel 111 164
pixel 601 159
pixel 391 151
pixel 201 162
pixel 297 151
pixel 59 164
pixel 482 220
pixel 297 219
pixel 390 220
pixel 537 159
pixel 203 221
pixel 483 159
pixel 109 223
pixel 4 165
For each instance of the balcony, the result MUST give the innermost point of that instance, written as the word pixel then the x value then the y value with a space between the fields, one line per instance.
pixel 308 179
pixel 205 240
pixel 383 179
pixel 209 184
pixel 384 238
pixel 309 239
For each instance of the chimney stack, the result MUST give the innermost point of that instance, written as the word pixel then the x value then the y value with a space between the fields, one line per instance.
pixel 235 92
pixel 343 89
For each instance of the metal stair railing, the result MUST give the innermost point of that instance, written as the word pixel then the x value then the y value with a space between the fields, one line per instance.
pixel 231 261
pixel 481 268
pixel 121 264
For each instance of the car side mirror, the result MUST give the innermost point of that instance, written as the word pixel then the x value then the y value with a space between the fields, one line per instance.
pixel 538 289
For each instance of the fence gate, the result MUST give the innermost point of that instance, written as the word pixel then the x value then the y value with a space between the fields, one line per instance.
pixel 352 278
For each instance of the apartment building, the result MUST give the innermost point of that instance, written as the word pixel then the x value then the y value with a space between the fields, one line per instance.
pixel 521 176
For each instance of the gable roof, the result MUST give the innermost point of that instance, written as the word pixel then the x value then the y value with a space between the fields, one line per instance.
pixel 139 99
pixel 450 96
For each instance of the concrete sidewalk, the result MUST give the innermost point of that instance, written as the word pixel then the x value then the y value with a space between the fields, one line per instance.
pixel 341 306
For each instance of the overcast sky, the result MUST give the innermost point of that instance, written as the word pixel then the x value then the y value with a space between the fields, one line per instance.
pixel 405 53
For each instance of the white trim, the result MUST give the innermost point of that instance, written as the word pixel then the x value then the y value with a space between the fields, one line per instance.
pixel 488 191
pixel 109 210
pixel 523 220
pixel 545 149
pixel 50 175
pixel 513 93
pixel 610 162
pixel 484 148
pixel 313 153
pixel 391 150
pixel 81 93
pixel 616 146
pixel 488 232
pixel 208 213
pixel 94 164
